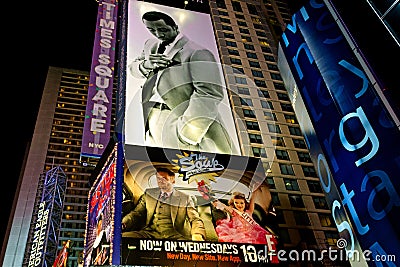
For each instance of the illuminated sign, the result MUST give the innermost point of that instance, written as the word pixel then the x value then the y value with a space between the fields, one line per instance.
pixel 177 98
pixel 39 236
pixel 96 130
pixel 100 217
pixel 356 134
pixel 199 221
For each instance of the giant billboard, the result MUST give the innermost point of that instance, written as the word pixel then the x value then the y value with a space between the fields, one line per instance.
pixel 356 135
pixel 175 91
pixel 196 208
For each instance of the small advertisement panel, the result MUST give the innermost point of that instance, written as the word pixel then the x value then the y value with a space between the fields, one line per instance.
pixel 175 91
pixel 183 208
pixel 99 233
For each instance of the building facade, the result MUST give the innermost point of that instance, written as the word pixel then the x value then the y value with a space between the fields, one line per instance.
pixel 56 141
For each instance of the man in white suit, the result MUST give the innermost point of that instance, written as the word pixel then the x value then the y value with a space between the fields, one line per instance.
pixel 182 91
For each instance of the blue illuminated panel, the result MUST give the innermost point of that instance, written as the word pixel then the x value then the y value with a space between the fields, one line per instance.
pixel 354 130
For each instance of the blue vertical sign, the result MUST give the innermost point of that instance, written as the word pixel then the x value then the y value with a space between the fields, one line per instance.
pixel 356 133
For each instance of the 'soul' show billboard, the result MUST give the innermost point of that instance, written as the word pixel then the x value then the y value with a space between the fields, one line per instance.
pixel 358 150
pixel 218 212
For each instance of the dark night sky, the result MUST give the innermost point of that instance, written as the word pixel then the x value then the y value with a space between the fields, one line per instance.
pixel 39 34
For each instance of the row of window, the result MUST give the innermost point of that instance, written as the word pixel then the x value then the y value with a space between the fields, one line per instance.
pixel 296 201
pixel 292 185
pixel 238 8
pixel 279 141
pixel 264 93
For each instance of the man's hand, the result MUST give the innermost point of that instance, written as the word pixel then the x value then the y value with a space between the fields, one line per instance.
pixel 197 237
pixel 156 61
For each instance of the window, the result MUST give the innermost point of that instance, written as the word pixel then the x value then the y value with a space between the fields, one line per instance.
pixel 252 9
pixel 263 93
pixel 242 23
pixel 276 76
pixel 260 83
pixel 251 55
pixel 249 46
pixel 236 6
pixel 254 64
pixel 227 28
pixel 314 186
pixel 296 201
pixel 275 198
pixel 282 96
pixel 249 113
pixel 223 13
pixel 282 154
pixel 230 43
pixel 256 20
pixel 252 125
pixel 259 152
pixel 257 73
pixel 277 141
pixel 260 33
pixel 239 16
pixel 304 156
pixel 255 138
pixel 229 35
pixel 286 107
pixel 258 26
pixel 325 219
pixel 245 31
pixel 271 182
pixel 246 102
pixel 243 91
pixel 299 143
pixel 238 70
pixel 301 218
pixel 273 128
pixel 266 49
pixel 320 203
pixel 272 66
pixel 246 38
pixel 268 115
pixel 309 171
pixel 236 61
pixel 221 4
pixel 331 238
pixel 240 80
pixel 279 86
pixel 307 236
pixel 295 130
pixel 233 52
pixel 225 20
pixel 290 118
pixel 269 58
pixel 286 169
pixel 291 184
pixel 280 219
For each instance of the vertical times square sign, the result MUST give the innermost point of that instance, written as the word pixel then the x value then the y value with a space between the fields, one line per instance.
pixel 357 137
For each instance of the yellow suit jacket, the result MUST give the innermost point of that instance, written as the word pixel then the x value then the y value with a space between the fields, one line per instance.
pixel 185 217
